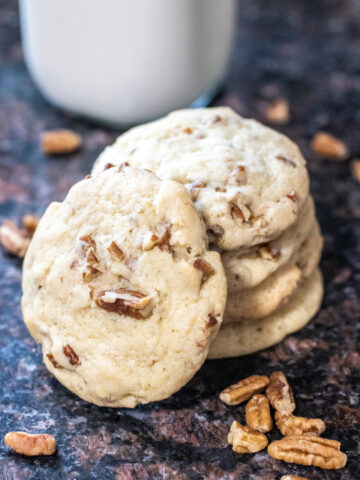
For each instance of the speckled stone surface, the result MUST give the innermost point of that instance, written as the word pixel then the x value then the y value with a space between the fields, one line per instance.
pixel 307 51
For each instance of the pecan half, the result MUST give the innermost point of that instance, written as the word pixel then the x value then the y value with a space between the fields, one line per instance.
pixel 289 425
pixel 204 267
pixel 71 354
pixel 258 416
pixel 125 302
pixel 116 251
pixel 278 111
pixel 245 439
pixel 31 444
pixel 309 450
pixel 30 223
pixel 243 390
pixel 14 239
pixel 60 142
pixel 280 394
pixel 239 174
pixel 327 146
pixel 355 169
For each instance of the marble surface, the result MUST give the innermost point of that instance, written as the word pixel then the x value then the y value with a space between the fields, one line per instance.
pixel 306 51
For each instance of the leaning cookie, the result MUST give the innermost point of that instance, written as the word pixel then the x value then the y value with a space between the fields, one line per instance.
pixel 248 182
pixel 120 289
pixel 236 339
pixel 260 301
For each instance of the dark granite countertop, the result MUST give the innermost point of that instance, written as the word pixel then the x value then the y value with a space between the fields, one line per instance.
pixel 306 51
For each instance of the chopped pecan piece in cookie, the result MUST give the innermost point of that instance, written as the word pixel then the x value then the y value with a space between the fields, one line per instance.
pixel 239 174
pixel 125 302
pixel 50 356
pixel 159 237
pixel 292 195
pixel 194 187
pixel 87 242
pixel 288 424
pixel 243 390
pixel 60 142
pixel 245 439
pixel 71 354
pixel 286 160
pixel 211 322
pixel 309 450
pixel 327 146
pixel 241 210
pixel 271 251
pixel 90 272
pixel 108 165
pixel 31 444
pixel 280 394
pixel 123 165
pixel 116 251
pixel 14 239
pixel 204 267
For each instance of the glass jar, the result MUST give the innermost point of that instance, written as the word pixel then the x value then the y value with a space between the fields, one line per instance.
pixel 127 61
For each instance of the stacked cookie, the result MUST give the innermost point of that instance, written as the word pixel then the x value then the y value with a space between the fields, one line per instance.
pixel 250 185
pixel 127 280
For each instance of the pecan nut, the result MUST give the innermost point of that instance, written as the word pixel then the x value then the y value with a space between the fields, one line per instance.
pixel 31 444
pixel 125 302
pixel 309 450
pixel 278 111
pixel 116 251
pixel 205 268
pixel 14 239
pixel 239 174
pixel 292 477
pixel 246 440
pixel 30 223
pixel 327 146
pixel 280 394
pixel 60 142
pixel 159 237
pixel 258 416
pixel 70 353
pixel 243 390
pixel 289 425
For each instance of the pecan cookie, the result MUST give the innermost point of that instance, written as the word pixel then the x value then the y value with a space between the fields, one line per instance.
pixel 260 301
pixel 120 289
pixel 247 268
pixel 248 182
pixel 235 339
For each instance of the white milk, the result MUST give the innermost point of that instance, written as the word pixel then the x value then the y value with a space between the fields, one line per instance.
pixel 126 61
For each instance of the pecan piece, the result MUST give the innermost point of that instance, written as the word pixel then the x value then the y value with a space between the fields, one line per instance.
pixel 125 302
pixel 60 142
pixel 278 111
pixel 241 210
pixel 258 416
pixel 211 322
pixel 292 195
pixel 286 160
pixel 292 477
pixel 71 354
pixel 289 425
pixel 160 237
pixel 204 267
pixel 280 394
pixel 90 272
pixel 194 187
pixel 327 146
pixel 239 174
pixel 116 251
pixel 30 222
pixel 188 130
pixel 243 390
pixel 309 450
pixel 270 251
pixel 31 444
pixel 86 242
pixel 14 239
pixel 51 357
pixel 215 233
pixel 245 439
pixel 108 165
pixel 355 169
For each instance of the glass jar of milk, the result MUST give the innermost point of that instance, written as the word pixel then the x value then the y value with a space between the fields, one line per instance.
pixel 127 61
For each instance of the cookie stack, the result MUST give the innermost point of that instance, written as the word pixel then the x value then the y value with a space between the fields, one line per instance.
pixel 250 185
pixel 127 280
